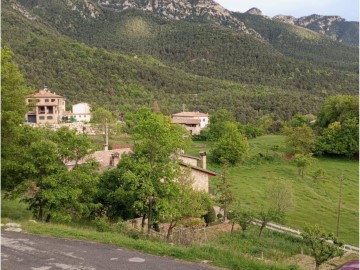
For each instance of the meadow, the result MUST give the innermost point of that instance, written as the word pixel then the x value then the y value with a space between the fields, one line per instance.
pixel 315 201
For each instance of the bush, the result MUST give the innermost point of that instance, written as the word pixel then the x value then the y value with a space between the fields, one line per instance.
pixel 134 234
pixel 102 225
pixel 219 216
pixel 203 136
pixel 210 216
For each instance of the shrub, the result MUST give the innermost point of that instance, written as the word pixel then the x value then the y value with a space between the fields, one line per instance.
pixel 210 216
pixel 102 225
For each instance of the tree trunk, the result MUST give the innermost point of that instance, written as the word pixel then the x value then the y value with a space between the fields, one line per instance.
pixel 171 227
pixel 149 217
pixel 317 267
pixel 232 226
pixel 143 222
pixel 41 212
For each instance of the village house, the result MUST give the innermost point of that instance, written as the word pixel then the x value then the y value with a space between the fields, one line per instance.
pixel 194 122
pixel 80 113
pixel 198 170
pixel 108 159
pixel 45 107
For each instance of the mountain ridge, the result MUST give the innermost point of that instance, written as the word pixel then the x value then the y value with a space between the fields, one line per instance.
pixel 131 58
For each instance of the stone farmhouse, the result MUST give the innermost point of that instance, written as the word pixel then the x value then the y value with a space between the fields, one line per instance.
pixel 194 122
pixel 45 107
pixel 108 159
pixel 198 170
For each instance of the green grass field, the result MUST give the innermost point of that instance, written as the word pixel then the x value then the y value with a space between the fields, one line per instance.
pixel 314 202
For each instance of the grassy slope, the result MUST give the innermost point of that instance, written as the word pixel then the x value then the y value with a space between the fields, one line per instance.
pixel 314 202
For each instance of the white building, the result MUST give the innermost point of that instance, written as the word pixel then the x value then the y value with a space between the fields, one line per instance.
pixel 81 112
pixel 203 117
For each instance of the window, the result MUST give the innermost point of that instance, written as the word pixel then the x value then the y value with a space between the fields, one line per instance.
pixel 50 110
pixel 41 117
pixel 49 117
pixel 203 119
pixel 46 100
pixel 53 100
pixel 41 109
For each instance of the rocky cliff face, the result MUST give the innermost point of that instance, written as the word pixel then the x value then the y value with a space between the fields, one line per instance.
pixel 183 10
pixel 254 11
pixel 333 26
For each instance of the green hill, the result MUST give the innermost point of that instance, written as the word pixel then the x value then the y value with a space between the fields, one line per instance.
pixel 123 60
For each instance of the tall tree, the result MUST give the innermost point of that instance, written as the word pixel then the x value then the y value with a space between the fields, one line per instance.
pixel 231 146
pixel 225 194
pixel 13 96
pixel 217 122
pixel 13 109
pixel 156 141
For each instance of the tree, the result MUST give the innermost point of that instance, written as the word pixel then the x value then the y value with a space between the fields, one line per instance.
pixel 13 96
pixel 302 161
pixel 153 164
pixel 244 219
pixel 239 216
pixel 322 246
pixel 183 202
pixel 44 182
pixel 72 147
pixel 225 195
pixel 265 216
pixel 340 138
pixel 338 109
pixel 13 109
pixel 301 139
pixel 231 146
pixel 217 123
pixel 280 197
pixel 298 120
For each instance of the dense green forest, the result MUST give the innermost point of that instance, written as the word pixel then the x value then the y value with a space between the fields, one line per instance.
pixel 205 67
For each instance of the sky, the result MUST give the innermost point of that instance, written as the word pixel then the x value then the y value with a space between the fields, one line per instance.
pixel 348 9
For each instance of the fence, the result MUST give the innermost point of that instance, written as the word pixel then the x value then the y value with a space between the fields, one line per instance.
pixel 283 229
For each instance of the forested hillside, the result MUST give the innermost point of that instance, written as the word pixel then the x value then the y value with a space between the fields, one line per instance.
pixel 201 65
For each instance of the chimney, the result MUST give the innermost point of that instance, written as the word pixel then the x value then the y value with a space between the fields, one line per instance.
pixel 202 159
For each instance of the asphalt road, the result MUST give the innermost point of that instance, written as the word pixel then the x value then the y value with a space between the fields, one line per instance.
pixel 20 251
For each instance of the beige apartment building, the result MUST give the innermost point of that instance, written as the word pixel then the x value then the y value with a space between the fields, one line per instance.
pixel 45 107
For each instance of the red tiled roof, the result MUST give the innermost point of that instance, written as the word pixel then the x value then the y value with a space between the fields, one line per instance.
pixel 190 114
pixel 185 121
pixel 45 93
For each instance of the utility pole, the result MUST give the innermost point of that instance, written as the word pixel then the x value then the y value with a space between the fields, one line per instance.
pixel 339 205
